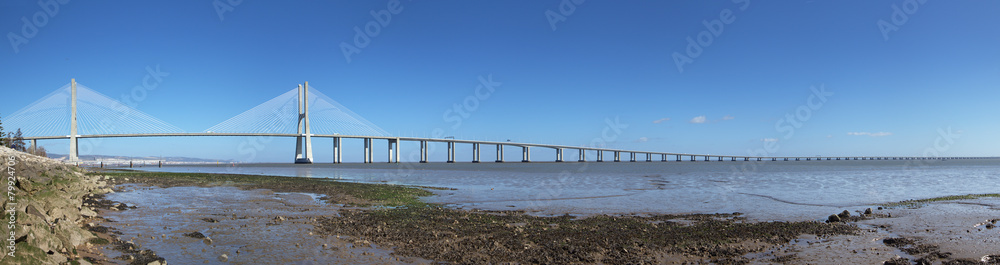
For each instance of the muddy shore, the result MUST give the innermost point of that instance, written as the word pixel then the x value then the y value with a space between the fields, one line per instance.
pixel 392 227
pixel 69 216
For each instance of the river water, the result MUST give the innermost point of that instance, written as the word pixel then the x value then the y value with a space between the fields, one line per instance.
pixel 778 190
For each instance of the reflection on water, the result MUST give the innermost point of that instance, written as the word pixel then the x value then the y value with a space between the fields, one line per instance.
pixel 792 190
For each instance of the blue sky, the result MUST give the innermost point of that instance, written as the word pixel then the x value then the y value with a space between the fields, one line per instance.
pixel 896 85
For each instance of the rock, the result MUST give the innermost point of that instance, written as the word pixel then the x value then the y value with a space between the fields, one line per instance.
pixel 868 211
pixel 155 262
pixel 207 240
pixel 223 257
pixel 833 218
pixel 87 212
pixel 844 214
pixel 196 235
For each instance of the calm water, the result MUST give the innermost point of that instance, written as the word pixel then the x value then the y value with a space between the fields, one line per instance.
pixel 792 190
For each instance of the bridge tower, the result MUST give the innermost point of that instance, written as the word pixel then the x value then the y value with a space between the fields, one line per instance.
pixel 303 156
pixel 74 152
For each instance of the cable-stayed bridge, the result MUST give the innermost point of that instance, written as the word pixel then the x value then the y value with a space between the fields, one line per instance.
pixel 74 112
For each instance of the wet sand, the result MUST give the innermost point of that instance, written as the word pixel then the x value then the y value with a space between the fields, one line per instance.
pixel 259 226
pixel 247 226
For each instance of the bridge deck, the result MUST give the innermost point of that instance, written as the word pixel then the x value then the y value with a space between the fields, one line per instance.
pixel 517 144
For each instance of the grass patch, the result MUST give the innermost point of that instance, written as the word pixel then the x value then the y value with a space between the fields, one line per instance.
pixel 360 194
pixel 921 202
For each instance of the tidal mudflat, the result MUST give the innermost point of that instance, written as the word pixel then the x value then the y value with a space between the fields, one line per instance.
pixel 243 219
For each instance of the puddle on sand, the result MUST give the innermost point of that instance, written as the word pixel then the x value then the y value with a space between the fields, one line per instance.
pixel 248 226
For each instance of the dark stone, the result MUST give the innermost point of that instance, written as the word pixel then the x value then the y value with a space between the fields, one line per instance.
pixel 844 214
pixel 833 218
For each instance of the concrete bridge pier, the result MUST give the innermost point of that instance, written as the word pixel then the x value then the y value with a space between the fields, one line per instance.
pixel 600 156
pixel 337 153
pixel 663 157
pixel 706 158
pixel 423 151
pixel 559 154
pixel 393 151
pixel 475 153
pixel 720 159
pixel 693 158
pixel 451 152
pixel 583 155
pixel 649 157
pixel 632 157
pixel 618 156
pixel 525 154
pixel 678 158
pixel 368 150
pixel 499 153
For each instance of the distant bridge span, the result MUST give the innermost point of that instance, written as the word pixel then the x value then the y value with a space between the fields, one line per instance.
pixel 525 155
pixel 303 149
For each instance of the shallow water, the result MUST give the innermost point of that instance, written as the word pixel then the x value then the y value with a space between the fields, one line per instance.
pixel 248 226
pixel 780 190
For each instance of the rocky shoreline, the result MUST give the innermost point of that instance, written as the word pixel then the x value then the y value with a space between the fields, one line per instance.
pixel 62 211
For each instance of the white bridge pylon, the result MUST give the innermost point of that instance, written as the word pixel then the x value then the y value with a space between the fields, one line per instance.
pixel 303 122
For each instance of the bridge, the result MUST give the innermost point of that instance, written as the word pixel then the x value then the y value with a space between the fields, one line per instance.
pixel 267 117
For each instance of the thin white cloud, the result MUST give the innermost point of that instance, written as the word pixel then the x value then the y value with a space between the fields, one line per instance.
pixel 878 134
pixel 699 119
pixel 642 140
pixel 661 120
pixel 728 117
pixel 769 140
